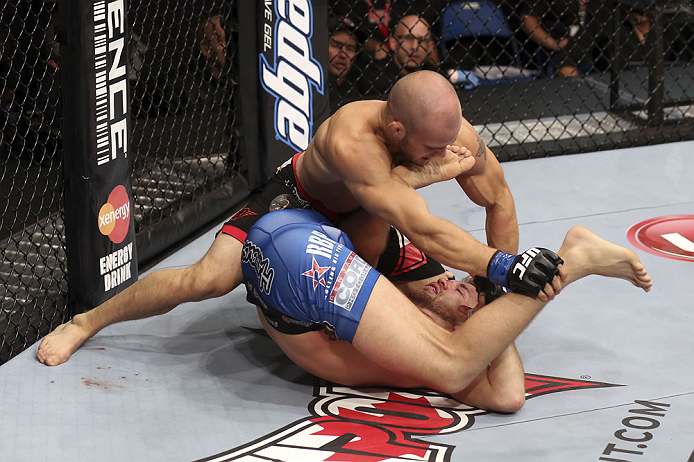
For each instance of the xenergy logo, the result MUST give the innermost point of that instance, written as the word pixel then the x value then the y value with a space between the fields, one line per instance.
pixel 114 215
pixel 294 72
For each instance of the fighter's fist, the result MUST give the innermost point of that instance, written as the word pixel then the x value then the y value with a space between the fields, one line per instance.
pixel 527 273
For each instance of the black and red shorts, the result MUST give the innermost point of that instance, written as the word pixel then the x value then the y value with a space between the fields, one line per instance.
pixel 282 191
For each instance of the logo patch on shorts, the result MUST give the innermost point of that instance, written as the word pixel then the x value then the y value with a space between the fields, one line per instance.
pixel 349 282
pixel 317 273
pixel 280 202
pixel 264 272
pixel 244 212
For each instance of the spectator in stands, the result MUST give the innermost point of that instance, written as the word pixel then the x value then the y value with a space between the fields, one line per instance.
pixel 558 27
pixel 343 48
pixel 377 18
pixel 213 45
pixel 413 48
pixel 569 31
pixel 371 16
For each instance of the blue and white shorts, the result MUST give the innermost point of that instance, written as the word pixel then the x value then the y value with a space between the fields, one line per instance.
pixel 303 273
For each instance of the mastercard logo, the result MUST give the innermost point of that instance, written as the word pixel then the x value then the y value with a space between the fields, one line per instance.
pixel 669 237
pixel 114 215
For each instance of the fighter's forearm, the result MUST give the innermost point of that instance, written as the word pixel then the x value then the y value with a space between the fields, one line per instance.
pixel 502 225
pixel 449 244
pixel 408 212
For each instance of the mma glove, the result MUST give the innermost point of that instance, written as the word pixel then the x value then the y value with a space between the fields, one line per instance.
pixel 490 290
pixel 526 273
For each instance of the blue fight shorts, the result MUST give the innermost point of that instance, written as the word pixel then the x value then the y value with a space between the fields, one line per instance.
pixel 304 275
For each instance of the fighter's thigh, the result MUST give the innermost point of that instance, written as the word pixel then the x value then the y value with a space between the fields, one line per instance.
pixel 324 356
pixel 219 271
pixel 396 335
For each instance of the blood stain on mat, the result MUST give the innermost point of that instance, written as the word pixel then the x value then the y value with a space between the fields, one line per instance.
pixel 99 383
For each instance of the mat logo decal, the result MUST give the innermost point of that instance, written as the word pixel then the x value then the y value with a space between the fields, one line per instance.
pixel 114 215
pixel 372 425
pixel 670 236
pixel 634 434
pixel 294 72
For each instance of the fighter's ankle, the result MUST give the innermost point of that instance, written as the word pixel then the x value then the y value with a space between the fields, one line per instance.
pixel 81 320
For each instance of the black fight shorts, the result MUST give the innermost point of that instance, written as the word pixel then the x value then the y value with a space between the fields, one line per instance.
pixel 282 191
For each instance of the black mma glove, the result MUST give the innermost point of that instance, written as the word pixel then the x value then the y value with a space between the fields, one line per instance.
pixel 526 273
pixel 490 290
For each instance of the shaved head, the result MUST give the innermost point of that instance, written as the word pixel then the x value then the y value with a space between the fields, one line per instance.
pixel 425 100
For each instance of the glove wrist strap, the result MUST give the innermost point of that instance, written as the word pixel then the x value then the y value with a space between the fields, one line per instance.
pixel 499 266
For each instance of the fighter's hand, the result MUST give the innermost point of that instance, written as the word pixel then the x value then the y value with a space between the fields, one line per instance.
pixel 536 272
pixel 549 291
pixel 457 161
pixel 483 299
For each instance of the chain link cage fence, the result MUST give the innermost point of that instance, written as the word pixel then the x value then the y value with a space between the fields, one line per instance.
pixel 31 227
pixel 184 140
pixel 535 77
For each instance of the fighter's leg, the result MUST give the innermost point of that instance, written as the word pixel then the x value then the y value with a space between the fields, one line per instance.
pixel 397 336
pixel 217 273
pixel 585 253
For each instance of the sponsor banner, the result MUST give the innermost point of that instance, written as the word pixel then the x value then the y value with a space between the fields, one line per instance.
pixel 670 236
pixel 99 226
pixel 292 55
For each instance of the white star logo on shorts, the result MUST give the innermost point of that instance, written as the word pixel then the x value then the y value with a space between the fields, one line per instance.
pixel 316 273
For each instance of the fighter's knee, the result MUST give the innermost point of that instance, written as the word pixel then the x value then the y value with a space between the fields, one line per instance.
pixel 202 283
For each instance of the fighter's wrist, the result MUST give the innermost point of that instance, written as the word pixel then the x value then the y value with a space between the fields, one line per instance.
pixel 499 267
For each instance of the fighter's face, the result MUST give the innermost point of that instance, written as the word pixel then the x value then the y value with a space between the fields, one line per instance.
pixel 420 149
pixel 450 301
pixel 342 49
pixel 411 43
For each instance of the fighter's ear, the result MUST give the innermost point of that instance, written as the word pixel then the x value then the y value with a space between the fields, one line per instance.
pixel 397 130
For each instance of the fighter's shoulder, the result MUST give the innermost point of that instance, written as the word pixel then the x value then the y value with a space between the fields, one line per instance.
pixel 470 138
pixel 349 131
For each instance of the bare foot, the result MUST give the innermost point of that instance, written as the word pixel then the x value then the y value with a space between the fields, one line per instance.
pixel 586 253
pixel 457 161
pixel 59 345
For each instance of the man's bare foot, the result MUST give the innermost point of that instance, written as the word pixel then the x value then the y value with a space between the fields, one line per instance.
pixel 457 161
pixel 59 345
pixel 586 253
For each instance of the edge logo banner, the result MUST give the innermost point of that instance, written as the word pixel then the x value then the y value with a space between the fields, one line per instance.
pixel 292 58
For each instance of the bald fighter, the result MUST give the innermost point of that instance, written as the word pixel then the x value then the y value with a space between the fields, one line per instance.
pixel 349 165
